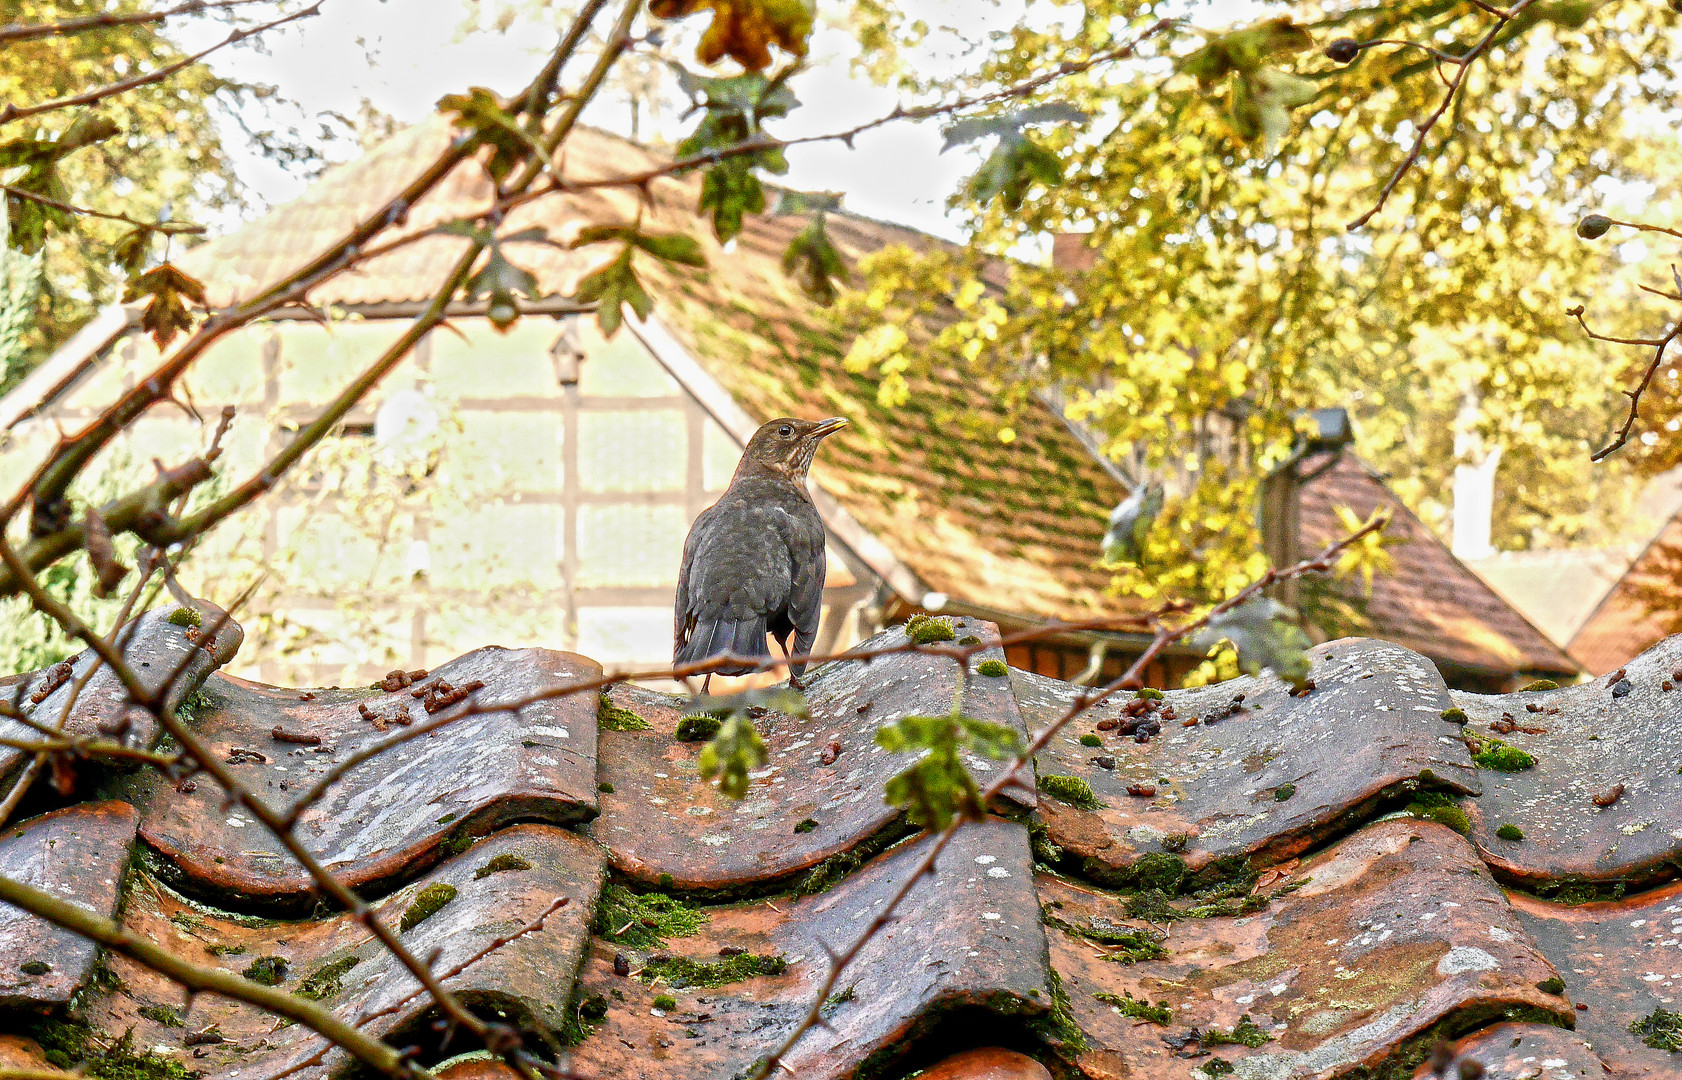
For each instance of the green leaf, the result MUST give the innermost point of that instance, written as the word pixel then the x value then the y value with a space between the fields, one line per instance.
pixel 970 129
pixel 1245 50
pixel 814 263
pixel 1013 167
pixel 610 288
pixel 481 114
pixel 500 280
pixel 672 247
pixel 730 191
pixel 734 752
pixel 1262 632
pixel 938 787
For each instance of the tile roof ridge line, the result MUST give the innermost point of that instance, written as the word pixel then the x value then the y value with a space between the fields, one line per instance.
pixel 1617 587
pixel 43 386
pixel 718 402
pixel 1377 478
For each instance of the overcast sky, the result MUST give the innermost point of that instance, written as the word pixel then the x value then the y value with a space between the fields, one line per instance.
pixel 403 55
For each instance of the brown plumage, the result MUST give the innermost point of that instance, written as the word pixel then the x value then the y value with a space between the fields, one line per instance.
pixel 754 561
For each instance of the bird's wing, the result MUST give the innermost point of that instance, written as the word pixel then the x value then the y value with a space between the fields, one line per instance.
pixel 805 600
pixel 683 613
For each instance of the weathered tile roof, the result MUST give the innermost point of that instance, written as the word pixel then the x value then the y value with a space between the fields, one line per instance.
pixel 1010 527
pixel 1432 602
pixel 1294 898
pixel 1623 623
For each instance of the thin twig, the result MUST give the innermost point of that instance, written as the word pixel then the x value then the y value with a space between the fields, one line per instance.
pixel 35 31
pixel 1465 65
pixel 1165 636
pixel 165 227
pixel 89 97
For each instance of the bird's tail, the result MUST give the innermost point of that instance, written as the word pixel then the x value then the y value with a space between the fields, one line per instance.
pixel 715 637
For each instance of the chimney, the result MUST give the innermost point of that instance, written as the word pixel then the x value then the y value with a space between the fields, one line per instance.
pixel 1280 512
pixel 1474 485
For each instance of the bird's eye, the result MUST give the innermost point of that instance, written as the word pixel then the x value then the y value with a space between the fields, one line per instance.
pixel 785 431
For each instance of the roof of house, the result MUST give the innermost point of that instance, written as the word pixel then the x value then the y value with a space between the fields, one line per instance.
pixel 1007 527
pixel 1236 887
pixel 1630 617
pixel 1430 601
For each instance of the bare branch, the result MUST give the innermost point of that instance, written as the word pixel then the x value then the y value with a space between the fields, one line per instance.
pixel 35 31
pixel 196 977
pixel 1465 65
pixel 89 97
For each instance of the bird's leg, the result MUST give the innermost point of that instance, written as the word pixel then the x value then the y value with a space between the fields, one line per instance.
pixel 793 679
pixel 707 683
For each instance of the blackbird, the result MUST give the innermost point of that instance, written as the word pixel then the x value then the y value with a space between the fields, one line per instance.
pixel 754 561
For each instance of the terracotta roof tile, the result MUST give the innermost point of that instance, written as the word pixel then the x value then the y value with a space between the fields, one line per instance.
pixel 1351 939
pixel 969 937
pixel 1007 527
pixel 176 659
pixel 1586 740
pixel 80 851
pixel 1431 602
pixel 399 810
pixel 1619 960
pixel 662 823
pixel 1367 733
pixel 1624 623
pixel 1397 929
pixel 315 958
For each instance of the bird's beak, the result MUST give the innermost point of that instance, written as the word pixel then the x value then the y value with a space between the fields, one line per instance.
pixel 827 427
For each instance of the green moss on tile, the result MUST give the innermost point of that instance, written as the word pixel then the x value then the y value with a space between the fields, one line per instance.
pixel 1058 1025
pixel 327 980
pixel 969 639
pixel 69 1044
pixel 1539 684
pixel 605 788
pixel 683 972
pixel 35 967
pixel 1069 789
pixel 643 920
pixel 1283 792
pixel 993 669
pixel 1150 693
pixel 185 616
pixel 664 1002
pixel 1089 739
pixel 1159 870
pixel 928 629
pixel 500 864
pixel 805 825
pixel 1243 1033
pixel 1510 832
pixel 1552 985
pixel 1137 1008
pixel 267 970
pixel 1661 1030
pixel 827 874
pixel 160 1014
pixel 1455 715
pixel 426 904
pixel 1497 755
pixel 611 717
pixel 698 728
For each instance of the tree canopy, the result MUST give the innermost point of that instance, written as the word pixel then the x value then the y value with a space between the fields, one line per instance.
pixel 1227 183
